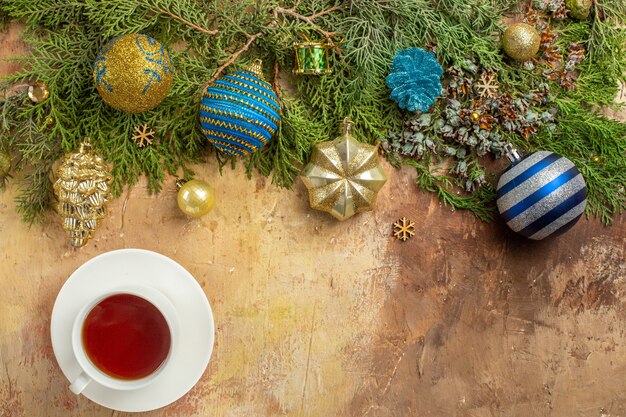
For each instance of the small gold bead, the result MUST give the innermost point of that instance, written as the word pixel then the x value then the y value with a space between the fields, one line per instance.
pixel 475 117
pixel 49 121
pixel 38 92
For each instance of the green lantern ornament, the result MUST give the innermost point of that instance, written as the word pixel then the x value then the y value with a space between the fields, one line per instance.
pixel 312 58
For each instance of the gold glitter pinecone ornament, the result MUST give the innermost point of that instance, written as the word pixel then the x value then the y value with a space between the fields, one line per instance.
pixel 521 41
pixel 82 188
pixel 133 73
pixel 578 9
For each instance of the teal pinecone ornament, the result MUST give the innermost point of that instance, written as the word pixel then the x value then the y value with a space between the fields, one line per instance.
pixel 415 80
pixel 240 112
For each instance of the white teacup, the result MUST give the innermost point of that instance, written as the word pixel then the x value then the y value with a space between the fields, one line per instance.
pixel 90 372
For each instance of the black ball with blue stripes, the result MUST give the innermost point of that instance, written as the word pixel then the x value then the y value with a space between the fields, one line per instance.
pixel 540 195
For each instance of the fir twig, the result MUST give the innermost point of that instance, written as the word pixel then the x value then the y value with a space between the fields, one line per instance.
pixel 188 23
pixel 232 59
pixel 479 203
pixel 65 36
pixel 276 83
pixel 310 19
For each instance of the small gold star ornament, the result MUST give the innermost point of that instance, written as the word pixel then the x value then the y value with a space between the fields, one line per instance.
pixel 144 136
pixel 344 176
pixel 404 229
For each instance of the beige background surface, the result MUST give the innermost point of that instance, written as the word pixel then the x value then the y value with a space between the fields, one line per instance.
pixel 320 318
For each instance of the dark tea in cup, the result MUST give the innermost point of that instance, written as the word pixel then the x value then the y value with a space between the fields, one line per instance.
pixel 126 337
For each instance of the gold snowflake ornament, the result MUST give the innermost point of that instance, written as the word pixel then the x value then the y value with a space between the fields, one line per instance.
pixel 144 136
pixel 488 87
pixel 404 229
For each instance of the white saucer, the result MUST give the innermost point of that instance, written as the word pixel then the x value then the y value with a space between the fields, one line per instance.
pixel 138 267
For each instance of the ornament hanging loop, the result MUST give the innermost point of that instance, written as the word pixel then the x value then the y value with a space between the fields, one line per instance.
pixel 256 68
pixel 85 146
pixel 347 126
pixel 512 153
pixel 336 41
pixel 180 182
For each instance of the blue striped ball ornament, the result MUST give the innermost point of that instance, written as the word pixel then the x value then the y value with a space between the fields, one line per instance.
pixel 239 113
pixel 541 195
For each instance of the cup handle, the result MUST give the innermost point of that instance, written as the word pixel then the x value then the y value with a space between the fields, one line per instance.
pixel 80 383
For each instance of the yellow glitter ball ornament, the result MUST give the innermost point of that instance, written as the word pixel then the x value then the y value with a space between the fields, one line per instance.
pixel 133 73
pixel 521 41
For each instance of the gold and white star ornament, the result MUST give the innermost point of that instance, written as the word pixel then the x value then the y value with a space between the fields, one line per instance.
pixel 344 176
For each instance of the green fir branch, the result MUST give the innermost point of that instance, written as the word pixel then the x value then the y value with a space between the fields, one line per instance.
pixel 479 203
pixel 66 35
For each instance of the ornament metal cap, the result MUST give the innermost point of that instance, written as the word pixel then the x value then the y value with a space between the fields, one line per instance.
pixel 256 68
pixel 85 146
pixel 180 182
pixel 347 126
pixel 512 153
